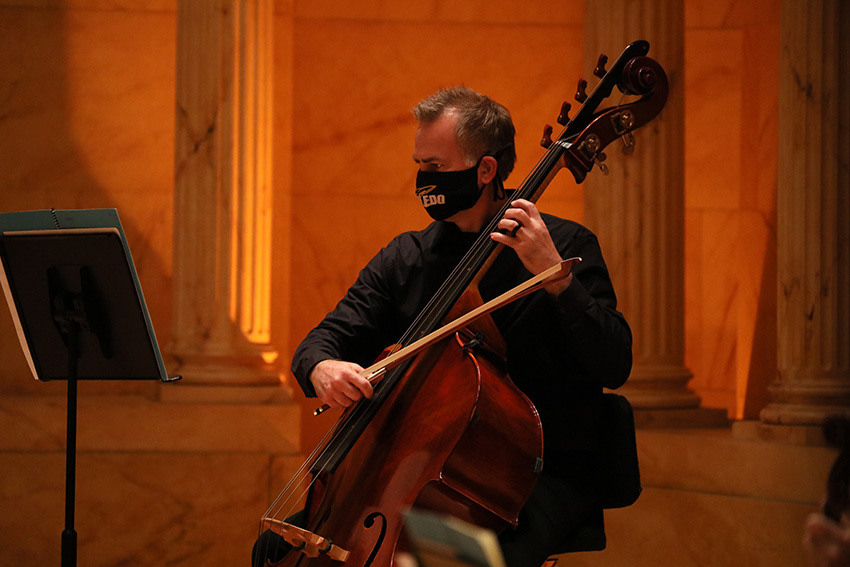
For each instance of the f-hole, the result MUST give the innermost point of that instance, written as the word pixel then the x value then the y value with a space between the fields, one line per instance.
pixel 368 523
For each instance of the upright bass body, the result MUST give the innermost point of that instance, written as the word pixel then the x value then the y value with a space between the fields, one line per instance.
pixel 439 447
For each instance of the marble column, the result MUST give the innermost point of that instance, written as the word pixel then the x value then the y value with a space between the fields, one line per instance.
pixel 813 215
pixel 638 210
pixel 222 208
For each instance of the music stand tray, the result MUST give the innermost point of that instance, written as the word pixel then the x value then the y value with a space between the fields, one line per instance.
pixel 78 309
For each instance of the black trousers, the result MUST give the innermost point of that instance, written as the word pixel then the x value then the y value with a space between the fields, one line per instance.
pixel 272 547
pixel 556 508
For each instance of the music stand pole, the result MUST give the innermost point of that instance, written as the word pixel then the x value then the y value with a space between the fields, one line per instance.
pixel 69 322
pixel 69 536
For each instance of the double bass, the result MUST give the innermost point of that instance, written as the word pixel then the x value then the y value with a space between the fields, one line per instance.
pixel 446 430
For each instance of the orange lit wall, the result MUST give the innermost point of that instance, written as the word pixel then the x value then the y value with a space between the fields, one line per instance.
pixel 731 104
pixel 357 74
pixel 86 119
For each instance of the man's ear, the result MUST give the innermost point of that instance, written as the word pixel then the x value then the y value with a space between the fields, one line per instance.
pixel 488 170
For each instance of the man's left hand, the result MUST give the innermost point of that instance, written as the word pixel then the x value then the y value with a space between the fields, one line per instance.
pixel 525 232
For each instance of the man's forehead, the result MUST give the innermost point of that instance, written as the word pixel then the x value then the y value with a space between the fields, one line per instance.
pixel 435 141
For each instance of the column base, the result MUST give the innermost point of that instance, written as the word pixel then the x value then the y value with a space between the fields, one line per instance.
pixel 660 387
pixel 785 414
pixel 185 392
pixel 752 430
pixel 231 378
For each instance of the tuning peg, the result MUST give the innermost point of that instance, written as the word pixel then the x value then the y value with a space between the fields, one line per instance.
pixel 628 143
pixel 600 66
pixel 546 141
pixel 564 117
pixel 581 95
pixel 600 157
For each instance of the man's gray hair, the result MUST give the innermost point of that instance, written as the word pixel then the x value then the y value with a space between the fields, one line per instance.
pixel 484 126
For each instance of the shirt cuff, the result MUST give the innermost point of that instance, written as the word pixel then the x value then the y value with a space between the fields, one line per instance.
pixel 574 300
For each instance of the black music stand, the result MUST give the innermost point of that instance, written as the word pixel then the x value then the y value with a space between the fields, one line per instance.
pixel 80 315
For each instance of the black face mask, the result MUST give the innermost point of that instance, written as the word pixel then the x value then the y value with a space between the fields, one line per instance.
pixel 446 193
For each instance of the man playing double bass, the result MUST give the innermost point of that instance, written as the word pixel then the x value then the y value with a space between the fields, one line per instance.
pixel 563 343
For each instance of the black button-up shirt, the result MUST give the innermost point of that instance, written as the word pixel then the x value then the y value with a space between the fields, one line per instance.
pixel 561 350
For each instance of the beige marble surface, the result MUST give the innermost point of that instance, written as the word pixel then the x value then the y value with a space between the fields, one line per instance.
pixel 157 484
pixel 133 423
pixel 695 529
pixel 711 498
pixel 142 508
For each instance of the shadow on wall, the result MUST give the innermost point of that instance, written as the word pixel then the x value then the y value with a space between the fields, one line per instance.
pixel 86 121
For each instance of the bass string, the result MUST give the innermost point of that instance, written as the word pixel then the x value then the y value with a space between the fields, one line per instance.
pixel 276 508
pixel 334 442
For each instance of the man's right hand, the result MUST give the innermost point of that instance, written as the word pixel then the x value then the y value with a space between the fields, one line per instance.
pixel 339 384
